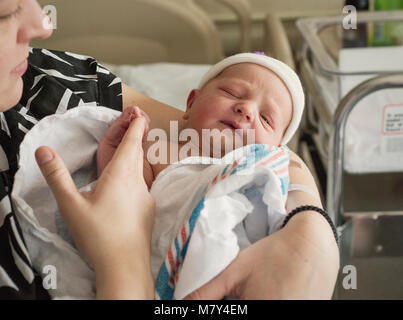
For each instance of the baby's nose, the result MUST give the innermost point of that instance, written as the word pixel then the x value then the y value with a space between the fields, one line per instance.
pixel 245 110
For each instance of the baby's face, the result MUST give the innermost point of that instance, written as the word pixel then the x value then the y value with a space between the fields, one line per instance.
pixel 243 96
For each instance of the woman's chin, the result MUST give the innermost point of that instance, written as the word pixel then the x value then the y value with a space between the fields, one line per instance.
pixel 10 97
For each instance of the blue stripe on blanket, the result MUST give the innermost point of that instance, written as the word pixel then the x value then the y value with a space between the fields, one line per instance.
pixel 281 162
pixel 225 170
pixel 178 251
pixel 285 182
pixel 164 290
pixel 192 223
pixel 256 153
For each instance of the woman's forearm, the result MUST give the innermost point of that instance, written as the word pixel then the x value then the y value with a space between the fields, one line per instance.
pixel 311 237
pixel 160 114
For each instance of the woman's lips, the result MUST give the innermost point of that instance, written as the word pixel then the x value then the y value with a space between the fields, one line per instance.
pixel 21 68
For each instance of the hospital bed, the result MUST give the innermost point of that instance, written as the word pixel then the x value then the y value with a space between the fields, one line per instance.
pixel 353 139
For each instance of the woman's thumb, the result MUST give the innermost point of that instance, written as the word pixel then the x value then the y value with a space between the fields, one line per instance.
pixel 57 176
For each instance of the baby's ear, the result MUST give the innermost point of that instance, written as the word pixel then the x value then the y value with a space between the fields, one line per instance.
pixel 191 98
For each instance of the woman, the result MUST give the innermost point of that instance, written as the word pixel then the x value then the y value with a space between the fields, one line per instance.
pixel 301 259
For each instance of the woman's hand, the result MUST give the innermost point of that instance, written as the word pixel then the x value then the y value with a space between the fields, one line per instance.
pixel 114 135
pixel 300 261
pixel 112 224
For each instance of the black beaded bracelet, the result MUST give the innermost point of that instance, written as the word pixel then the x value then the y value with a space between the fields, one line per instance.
pixel 312 208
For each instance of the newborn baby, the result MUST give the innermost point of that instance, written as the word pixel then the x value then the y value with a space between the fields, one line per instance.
pixel 243 92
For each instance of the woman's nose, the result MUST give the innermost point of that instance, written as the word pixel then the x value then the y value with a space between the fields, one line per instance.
pixel 34 23
pixel 245 110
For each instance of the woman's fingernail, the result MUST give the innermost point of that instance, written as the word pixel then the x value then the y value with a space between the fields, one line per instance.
pixel 44 156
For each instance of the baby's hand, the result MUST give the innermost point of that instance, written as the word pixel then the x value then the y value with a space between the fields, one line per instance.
pixel 115 133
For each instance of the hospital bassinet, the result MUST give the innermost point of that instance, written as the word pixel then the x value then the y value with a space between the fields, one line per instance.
pixel 353 138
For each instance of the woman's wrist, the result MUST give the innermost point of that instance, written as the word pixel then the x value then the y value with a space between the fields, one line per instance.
pixel 319 210
pixel 124 278
pixel 124 272
pixel 310 235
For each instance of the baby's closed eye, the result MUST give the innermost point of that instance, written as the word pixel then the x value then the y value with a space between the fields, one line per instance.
pixel 265 119
pixel 232 92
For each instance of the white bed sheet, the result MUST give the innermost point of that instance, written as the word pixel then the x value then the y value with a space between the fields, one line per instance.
pixel 167 82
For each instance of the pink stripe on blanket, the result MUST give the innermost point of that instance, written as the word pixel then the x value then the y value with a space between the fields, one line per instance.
pixel 275 157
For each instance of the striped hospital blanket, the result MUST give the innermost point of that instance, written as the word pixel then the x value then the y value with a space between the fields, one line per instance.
pixel 245 173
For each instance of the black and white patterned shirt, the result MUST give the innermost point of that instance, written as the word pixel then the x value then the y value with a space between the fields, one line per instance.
pixel 54 82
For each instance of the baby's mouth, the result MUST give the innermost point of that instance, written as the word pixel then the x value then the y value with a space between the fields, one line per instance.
pixel 235 128
pixel 230 124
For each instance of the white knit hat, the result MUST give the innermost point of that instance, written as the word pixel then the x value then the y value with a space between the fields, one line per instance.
pixel 283 71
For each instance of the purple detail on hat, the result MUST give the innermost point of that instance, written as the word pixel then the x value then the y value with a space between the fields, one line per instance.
pixel 259 52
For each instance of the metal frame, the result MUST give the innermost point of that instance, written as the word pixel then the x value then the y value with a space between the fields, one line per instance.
pixel 310 28
pixel 336 148
pixel 313 58
pixel 326 63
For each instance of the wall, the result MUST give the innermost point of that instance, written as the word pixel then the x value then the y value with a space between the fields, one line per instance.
pixel 287 10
